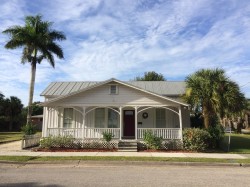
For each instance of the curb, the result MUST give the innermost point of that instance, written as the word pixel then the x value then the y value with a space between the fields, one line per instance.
pixel 79 163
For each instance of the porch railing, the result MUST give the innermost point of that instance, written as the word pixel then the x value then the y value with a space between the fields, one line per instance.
pixel 165 133
pixel 97 132
pixel 74 132
pixel 83 133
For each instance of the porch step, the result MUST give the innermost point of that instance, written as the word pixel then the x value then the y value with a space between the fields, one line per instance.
pixel 127 146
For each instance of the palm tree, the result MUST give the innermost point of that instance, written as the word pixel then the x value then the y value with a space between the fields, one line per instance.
pixel 213 92
pixel 38 42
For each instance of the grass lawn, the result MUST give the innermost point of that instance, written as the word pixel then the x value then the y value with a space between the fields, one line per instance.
pixel 120 158
pixel 240 143
pixel 10 136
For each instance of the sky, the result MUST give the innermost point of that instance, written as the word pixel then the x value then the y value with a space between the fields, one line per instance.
pixel 124 38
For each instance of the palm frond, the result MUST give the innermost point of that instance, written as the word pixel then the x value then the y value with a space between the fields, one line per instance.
pixel 57 35
pixel 56 49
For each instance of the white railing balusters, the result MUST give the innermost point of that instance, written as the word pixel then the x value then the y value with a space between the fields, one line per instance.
pixel 78 132
pixel 165 133
pixel 97 132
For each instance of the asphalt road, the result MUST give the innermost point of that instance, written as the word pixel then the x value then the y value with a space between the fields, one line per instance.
pixel 89 174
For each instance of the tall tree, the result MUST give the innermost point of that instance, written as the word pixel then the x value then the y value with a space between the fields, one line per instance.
pixel 151 76
pixel 13 109
pixel 38 40
pixel 36 108
pixel 214 93
pixel 1 104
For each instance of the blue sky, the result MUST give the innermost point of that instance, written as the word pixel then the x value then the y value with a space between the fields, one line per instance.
pixel 125 38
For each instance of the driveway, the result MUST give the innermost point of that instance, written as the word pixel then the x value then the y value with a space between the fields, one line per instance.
pixel 11 147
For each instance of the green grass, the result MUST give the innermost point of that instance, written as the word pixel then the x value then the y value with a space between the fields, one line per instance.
pixel 10 136
pixel 23 159
pixel 240 143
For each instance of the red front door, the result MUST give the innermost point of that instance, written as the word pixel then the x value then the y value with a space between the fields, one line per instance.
pixel 129 122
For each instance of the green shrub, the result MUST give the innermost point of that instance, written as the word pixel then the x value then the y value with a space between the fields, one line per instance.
pixel 64 141
pixel 47 142
pixel 107 136
pixel 217 134
pixel 172 144
pixel 151 140
pixel 196 139
pixel 57 142
pixel 29 129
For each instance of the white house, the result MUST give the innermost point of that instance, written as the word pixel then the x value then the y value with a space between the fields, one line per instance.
pixel 126 109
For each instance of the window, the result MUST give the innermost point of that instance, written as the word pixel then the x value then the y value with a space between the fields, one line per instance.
pixel 160 118
pixel 113 89
pixel 68 118
pixel 100 117
pixel 113 119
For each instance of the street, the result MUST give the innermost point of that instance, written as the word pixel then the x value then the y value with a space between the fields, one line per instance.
pixel 109 174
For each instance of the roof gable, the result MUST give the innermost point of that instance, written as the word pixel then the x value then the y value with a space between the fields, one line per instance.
pixel 109 82
pixel 166 88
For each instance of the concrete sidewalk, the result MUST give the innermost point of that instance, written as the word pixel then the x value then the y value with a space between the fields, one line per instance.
pixel 14 149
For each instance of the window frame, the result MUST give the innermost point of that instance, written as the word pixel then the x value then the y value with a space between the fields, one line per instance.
pixel 162 119
pixel 116 89
pixel 104 118
pixel 109 115
pixel 72 119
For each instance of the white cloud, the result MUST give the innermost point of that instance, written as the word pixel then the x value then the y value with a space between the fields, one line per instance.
pixel 71 10
pixel 125 38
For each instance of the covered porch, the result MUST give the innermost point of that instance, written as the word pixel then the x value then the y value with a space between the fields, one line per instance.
pixel 124 122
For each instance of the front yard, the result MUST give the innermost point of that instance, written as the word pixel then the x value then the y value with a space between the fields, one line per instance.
pixel 240 143
pixel 10 136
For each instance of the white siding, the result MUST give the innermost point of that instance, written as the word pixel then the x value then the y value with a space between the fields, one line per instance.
pixel 60 117
pixel 150 121
pixel 78 119
pixel 172 119
pixel 52 118
pixel 90 119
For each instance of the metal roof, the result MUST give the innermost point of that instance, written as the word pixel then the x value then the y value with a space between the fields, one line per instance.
pixel 166 88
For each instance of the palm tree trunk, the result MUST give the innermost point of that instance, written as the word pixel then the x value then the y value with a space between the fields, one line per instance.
pixel 206 117
pixel 31 91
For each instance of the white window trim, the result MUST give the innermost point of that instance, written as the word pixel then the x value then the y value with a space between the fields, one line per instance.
pixel 73 118
pixel 155 125
pixel 105 118
pixel 117 89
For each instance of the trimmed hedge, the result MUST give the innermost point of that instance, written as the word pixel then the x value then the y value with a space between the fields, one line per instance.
pixel 196 139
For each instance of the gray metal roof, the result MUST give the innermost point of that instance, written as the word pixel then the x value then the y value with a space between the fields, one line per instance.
pixel 166 88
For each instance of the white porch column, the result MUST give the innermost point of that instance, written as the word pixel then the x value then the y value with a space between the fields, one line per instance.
pixel 121 122
pixel 44 122
pixel 136 123
pixel 180 119
pixel 48 121
pixel 83 122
